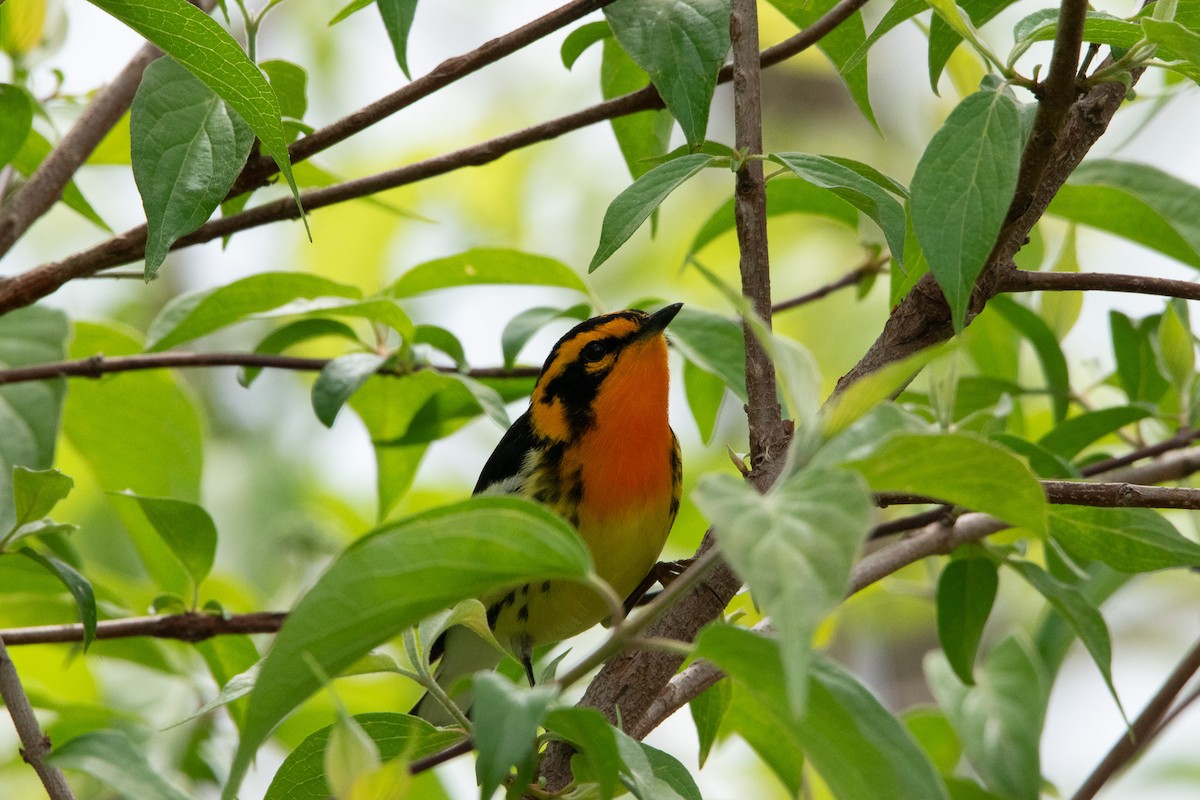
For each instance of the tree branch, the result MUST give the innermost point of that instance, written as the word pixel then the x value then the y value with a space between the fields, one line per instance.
pixel 191 626
pixel 35 743
pixel 99 365
pixel 869 269
pixel 1026 281
pixel 1084 493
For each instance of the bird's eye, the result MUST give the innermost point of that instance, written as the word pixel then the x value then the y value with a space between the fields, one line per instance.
pixel 594 351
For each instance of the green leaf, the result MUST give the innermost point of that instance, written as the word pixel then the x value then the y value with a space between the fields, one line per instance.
pixel 630 208
pixel 1083 617
pixel 944 40
pixel 1175 347
pixel 708 711
pixel 350 754
pixel 714 344
pixel 682 45
pixel 191 316
pixel 867 392
pixel 521 328
pixel 784 196
pixel 290 83
pixel 339 379
pixel 398 18
pixel 1137 367
pixel 644 136
pixel 1126 539
pixel 1069 438
pixel 936 737
pixel 580 39
pixel 292 334
pixel 186 528
pixel 1175 42
pixel 960 470
pixel 900 11
pixel 705 392
pixel 112 758
pixel 1060 310
pixel 848 736
pixel 961 191
pixel 29 412
pixel 849 184
pixel 440 557
pixel 33 152
pixel 591 735
pixel 196 41
pixel 301 776
pixel 1098 27
pixel 1045 346
pixel 651 774
pixel 441 339
pixel 37 492
pixel 966 590
pixel 489 400
pixel 79 587
pixel 352 7
pixel 506 719
pixel 16 109
pixel 188 148
pixel 482 266
pixel 1135 201
pixel 794 546
pixel 999 721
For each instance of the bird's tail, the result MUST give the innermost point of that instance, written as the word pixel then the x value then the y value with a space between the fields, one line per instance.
pixel 463 653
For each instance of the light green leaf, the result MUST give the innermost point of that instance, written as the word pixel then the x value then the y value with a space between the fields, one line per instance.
pixel 441 339
pixel 642 137
pixel 794 546
pixel 37 492
pixel 352 7
pixel 849 184
pixel 292 334
pixel 236 687
pixel 1045 346
pixel 79 587
pixel 1070 437
pixel 301 776
pixel 961 470
pixel 1175 42
pixel 1060 310
pixel 944 40
pixel 630 208
pixel 1176 350
pixel 1135 201
pixel 705 393
pixel 966 590
pixel 714 344
pixel 482 266
pixel 864 394
pixel 506 719
pixel 440 557
pixel 339 379
pixel 350 754
pixel 651 774
pixel 191 316
pixel 112 758
pixel 489 400
pixel 185 527
pixel 33 152
pixel 196 41
pixel 936 737
pixel 16 110
pixel 593 738
pixel 708 711
pixel 999 721
pixel 1126 539
pixel 580 39
pixel 961 191
pixel 398 18
pixel 521 328
pixel 899 12
pixel 290 83
pixel 188 148
pixel 682 45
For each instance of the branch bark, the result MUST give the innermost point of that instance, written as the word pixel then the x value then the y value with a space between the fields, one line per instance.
pixel 1084 493
pixel 34 742
pixel 1025 281
pixel 192 626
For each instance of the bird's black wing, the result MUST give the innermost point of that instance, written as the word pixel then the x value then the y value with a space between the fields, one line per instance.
pixel 508 457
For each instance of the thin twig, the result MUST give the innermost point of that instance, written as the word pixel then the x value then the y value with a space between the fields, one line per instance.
pixel 1176 442
pixel 35 743
pixel 191 626
pixel 1025 281
pixel 1084 493
pixel 441 757
pixel 1138 736
pixel 98 365
pixel 872 267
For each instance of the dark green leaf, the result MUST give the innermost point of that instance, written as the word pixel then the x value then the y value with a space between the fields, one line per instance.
pixel 580 39
pixel 16 110
pixel 186 528
pixel 191 316
pixel 398 18
pixel 1126 539
pixel 506 719
pixel 714 344
pixel 188 148
pixel 482 266
pixel 440 557
pixel 1175 42
pixel 489 400
pixel 589 732
pixel 521 328
pixel 441 339
pixel 1043 462
pixel 352 7
pixel 850 184
pixel 79 587
pixel 943 40
pixel 1071 436
pixel 966 590
pixel 708 711
pixel 290 84
pixel 113 759
pixel 961 191
pixel 1045 346
pixel 704 392
pixel 899 12
pixel 292 334
pixel 197 42
pixel 1099 27
pixel 1137 368
pixel 340 378
pixel 794 546
pixel 643 137
pixel 630 208
pixel 651 774
pixel 301 776
pixel 682 45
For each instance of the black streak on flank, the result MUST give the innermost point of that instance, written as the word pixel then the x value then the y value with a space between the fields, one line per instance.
pixel 494 611
pixel 523 614
pixel 545 586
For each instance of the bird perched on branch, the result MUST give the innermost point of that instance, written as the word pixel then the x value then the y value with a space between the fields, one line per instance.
pixel 595 446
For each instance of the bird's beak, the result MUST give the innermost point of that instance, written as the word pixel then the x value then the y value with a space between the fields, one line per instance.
pixel 660 319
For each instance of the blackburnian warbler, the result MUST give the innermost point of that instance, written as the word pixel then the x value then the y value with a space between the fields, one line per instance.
pixel 595 446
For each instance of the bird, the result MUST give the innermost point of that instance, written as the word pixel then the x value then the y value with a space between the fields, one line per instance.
pixel 595 446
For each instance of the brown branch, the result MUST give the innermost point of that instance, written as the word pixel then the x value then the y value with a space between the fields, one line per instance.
pixel 191 626
pixel 441 757
pixel 871 268
pixel 1025 281
pixel 1084 493
pixel 1139 734
pixel 34 742
pixel 259 170
pixel 99 365
pixel 30 286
